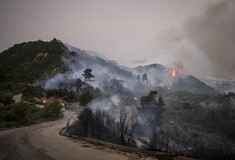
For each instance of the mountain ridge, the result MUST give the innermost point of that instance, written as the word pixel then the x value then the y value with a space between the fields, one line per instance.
pixel 33 58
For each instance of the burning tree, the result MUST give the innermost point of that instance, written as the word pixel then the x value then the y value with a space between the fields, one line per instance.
pixel 173 72
pixel 173 75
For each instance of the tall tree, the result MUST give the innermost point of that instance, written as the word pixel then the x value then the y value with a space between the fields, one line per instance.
pixel 138 77
pixel 85 98
pixel 98 125
pixel 126 126
pixel 85 119
pixel 78 84
pixel 145 78
pixel 87 75
pixel 153 103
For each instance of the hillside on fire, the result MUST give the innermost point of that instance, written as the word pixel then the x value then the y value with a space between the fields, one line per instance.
pixel 151 107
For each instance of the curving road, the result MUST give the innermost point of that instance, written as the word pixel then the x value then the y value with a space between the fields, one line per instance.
pixel 45 143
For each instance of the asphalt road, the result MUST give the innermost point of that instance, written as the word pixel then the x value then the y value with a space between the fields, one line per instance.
pixel 44 142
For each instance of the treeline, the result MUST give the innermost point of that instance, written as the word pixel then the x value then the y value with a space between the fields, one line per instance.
pixel 80 90
pixel 101 125
pixel 121 128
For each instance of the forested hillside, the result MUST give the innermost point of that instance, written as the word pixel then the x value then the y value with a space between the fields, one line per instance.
pixel 29 62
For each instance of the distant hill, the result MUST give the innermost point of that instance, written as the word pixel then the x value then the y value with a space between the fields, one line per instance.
pixel 159 75
pixel 28 62
pixel 192 84
pixel 221 85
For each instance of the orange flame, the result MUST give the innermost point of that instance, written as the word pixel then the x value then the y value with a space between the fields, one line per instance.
pixel 173 72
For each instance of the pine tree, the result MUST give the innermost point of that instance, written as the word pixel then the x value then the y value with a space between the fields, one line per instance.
pixel 88 75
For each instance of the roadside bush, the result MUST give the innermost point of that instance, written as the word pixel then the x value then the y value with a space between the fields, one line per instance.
pixel 52 112
pixel 32 92
pixel 63 93
pixel 19 114
pixel 6 99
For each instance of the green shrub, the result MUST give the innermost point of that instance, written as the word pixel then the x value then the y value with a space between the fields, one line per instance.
pixel 6 98
pixel 31 92
pixel 85 98
pixel 52 112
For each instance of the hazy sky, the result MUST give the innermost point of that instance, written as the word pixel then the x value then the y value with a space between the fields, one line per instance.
pixel 196 36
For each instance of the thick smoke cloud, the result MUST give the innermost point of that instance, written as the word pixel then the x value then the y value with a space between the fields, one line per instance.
pixel 214 34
